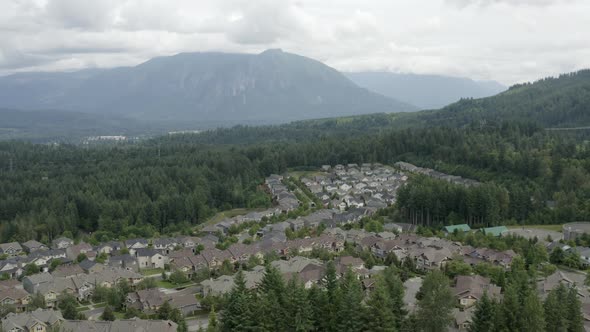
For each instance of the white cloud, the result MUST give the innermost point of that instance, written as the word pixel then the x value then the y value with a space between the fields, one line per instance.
pixel 506 40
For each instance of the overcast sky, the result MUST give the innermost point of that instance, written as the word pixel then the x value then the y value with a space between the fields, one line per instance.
pixel 505 40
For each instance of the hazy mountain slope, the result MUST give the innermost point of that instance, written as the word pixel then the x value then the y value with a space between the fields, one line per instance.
pixel 62 125
pixel 205 88
pixel 425 91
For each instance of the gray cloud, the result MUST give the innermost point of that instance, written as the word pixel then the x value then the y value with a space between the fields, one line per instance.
pixel 505 40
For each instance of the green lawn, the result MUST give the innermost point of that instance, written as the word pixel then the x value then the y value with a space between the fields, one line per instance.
pixel 120 315
pixel 299 174
pixel 229 214
pixel 100 305
pixel 79 309
pixel 147 272
pixel 169 285
pixel 555 228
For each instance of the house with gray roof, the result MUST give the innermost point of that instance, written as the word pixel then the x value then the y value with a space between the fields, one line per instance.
pixel 134 244
pixel 62 243
pixel 33 321
pixel 148 258
pixel 469 289
pixel 32 246
pixel 11 249
pixel 122 325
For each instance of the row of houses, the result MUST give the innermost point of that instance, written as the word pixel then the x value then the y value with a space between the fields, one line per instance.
pixel 343 187
pixel 436 174
pixel 42 320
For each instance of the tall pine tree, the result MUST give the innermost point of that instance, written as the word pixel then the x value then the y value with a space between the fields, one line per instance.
pixel 350 313
pixel 379 316
pixel 483 319
pixel 237 315
pixel 436 304
pixel 395 287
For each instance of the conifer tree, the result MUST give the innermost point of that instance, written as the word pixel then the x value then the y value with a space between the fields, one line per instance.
pixel 555 311
pixel 532 318
pixel 108 314
pixel 379 316
pixel 213 325
pixel 484 316
pixel 574 311
pixel 395 288
pixel 299 315
pixel 351 310
pixel 509 318
pixel 237 315
pixel 333 298
pixel 436 304
pixel 270 311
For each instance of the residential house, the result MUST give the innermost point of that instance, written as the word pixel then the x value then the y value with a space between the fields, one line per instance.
pixel 343 263
pixel 215 257
pixel 111 276
pixel 166 245
pixel 185 301
pixel 15 297
pixel 11 267
pixel 150 258
pixel 147 300
pixel 73 251
pixel 10 249
pixel 40 320
pixel 110 247
pixel 469 289
pixel 569 279
pixel 42 258
pixel 31 283
pixel 32 246
pixel 119 325
pixel 91 267
pixel 133 244
pixel 218 286
pixel 67 271
pixel 125 261
pixel 462 318
pixel 62 243
pixel 431 258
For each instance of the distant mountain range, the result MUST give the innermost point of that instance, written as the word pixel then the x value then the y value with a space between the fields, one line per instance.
pixel 203 89
pixel 425 91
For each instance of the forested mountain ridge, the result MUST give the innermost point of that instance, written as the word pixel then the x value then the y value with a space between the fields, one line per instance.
pixel 562 101
pixel 425 91
pixel 202 89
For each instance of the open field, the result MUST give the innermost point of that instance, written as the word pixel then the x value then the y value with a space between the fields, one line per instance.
pixel 541 232
pixel 555 228
pixel 299 174
pixel 229 214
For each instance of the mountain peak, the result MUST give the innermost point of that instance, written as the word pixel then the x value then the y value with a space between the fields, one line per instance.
pixel 208 89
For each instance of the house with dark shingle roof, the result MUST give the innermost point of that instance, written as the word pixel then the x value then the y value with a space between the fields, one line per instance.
pixel 120 325
pixel 11 249
pixel 32 246
pixel 38 320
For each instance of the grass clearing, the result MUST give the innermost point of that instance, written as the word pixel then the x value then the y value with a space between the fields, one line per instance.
pixel 230 214
pixel 148 272
pixel 555 228
pixel 167 284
